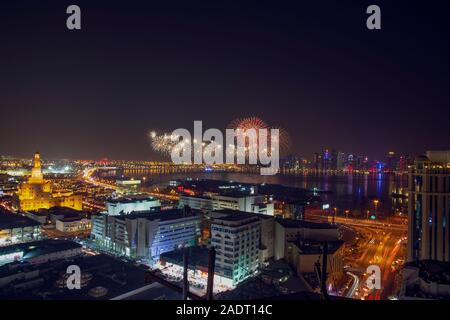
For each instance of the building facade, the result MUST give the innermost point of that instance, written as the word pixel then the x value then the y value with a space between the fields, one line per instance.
pixel 15 228
pixel 76 224
pixel 236 238
pixel 132 203
pixel 429 207
pixel 145 234
pixel 246 203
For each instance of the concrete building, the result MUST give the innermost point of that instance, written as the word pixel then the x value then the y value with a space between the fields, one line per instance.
pixel 102 278
pixel 429 207
pixel 128 186
pixel 73 224
pixel 246 203
pixel 62 219
pixel 267 240
pixel 202 203
pixel 146 234
pixel 303 255
pixel 290 230
pixel 37 252
pixel 15 228
pixel 236 238
pixel 132 203
pixel 236 201
pixel 424 280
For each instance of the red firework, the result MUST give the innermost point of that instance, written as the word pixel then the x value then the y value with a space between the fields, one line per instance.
pixel 257 123
pixel 248 123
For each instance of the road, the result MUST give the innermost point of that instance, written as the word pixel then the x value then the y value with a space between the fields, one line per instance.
pixel 87 177
pixel 381 244
pixel 355 285
pixel 380 248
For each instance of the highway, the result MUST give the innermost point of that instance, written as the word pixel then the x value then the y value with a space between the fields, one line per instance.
pixel 354 287
pixel 87 177
pixel 380 244
pixel 379 248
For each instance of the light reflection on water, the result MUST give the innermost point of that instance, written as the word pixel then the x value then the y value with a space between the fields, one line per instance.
pixel 346 191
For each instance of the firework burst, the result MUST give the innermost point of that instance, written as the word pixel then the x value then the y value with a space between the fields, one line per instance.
pixel 162 143
pixel 256 123
pixel 248 123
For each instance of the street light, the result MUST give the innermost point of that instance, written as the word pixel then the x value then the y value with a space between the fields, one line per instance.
pixel 334 214
pixel 376 202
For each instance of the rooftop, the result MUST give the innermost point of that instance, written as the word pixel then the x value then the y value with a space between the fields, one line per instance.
pixel 232 215
pixel 277 270
pixel 251 289
pixel 164 215
pixel 69 219
pixel 433 271
pixel 315 247
pixel 131 198
pixel 291 223
pixel 116 276
pixel 197 257
pixel 12 220
pixel 59 211
pixel 40 247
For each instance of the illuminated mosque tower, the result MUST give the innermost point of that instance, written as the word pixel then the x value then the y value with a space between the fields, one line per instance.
pixel 37 193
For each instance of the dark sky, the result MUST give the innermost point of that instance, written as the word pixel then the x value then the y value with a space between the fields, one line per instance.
pixel 311 67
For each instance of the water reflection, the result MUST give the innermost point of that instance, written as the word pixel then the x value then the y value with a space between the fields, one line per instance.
pixel 346 191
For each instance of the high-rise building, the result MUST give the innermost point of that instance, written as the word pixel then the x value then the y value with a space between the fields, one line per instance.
pixel 236 238
pixel 37 193
pixel 340 161
pixel 392 162
pixel 429 207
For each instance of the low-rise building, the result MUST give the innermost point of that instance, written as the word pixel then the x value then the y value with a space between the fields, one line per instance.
pixel 232 201
pixel 196 202
pixel 304 254
pixel 15 228
pixel 37 252
pixel 426 279
pixel 128 186
pixel 73 224
pixel 146 234
pixel 243 202
pixel 291 230
pixel 65 220
pixel 132 203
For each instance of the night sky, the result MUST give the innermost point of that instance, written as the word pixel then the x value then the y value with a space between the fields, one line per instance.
pixel 311 67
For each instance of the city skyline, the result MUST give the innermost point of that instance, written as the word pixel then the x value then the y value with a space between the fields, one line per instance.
pixel 313 69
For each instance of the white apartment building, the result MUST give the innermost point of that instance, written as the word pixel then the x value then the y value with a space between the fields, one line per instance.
pixel 236 238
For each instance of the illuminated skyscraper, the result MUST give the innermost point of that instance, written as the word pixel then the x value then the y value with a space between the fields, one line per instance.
pixel 429 207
